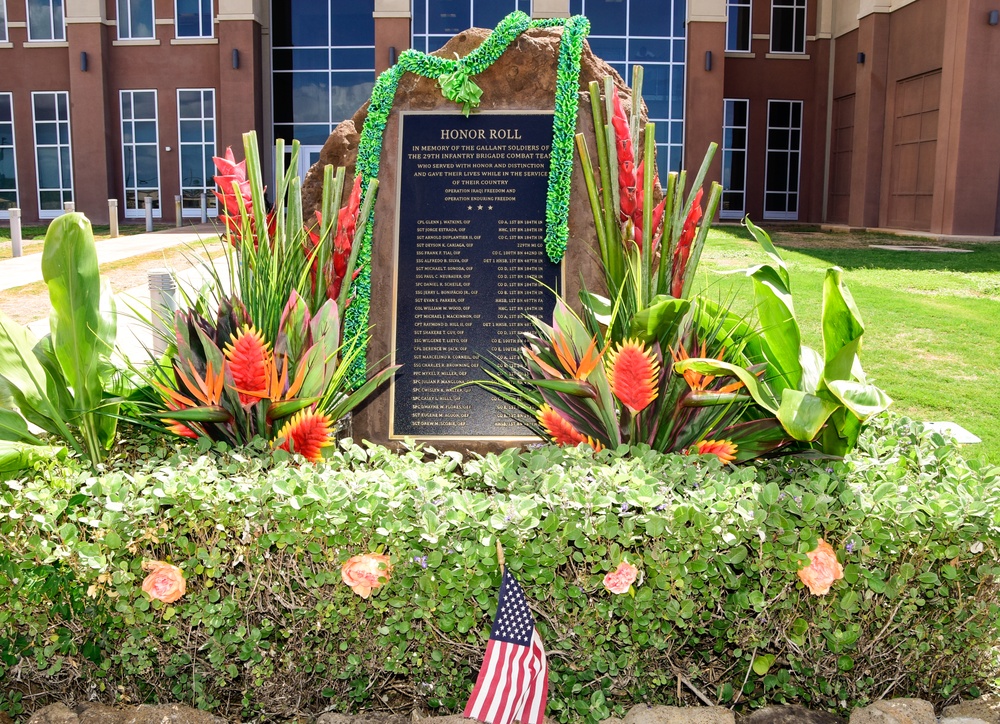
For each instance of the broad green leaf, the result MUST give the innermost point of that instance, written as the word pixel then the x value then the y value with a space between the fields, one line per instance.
pixel 863 400
pixel 16 457
pixel 779 331
pixel 14 428
pixel 842 327
pixel 70 270
pixel 803 415
pixel 659 319
pixel 765 243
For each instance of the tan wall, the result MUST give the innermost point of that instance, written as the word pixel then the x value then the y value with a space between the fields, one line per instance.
pixel 967 190
pixel 705 93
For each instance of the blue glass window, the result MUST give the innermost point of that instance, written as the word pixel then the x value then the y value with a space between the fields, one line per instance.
pixel 193 19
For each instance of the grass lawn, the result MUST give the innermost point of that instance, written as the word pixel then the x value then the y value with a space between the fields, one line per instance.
pixel 932 320
pixel 33 236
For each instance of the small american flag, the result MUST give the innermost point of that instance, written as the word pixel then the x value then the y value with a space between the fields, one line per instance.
pixel 514 680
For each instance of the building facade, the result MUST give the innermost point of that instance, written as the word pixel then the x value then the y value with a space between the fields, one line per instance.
pixel 866 113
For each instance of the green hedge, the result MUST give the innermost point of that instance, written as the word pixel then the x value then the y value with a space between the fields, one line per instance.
pixel 267 628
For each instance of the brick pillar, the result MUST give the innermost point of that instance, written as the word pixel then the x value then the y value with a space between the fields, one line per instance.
pixel 967 181
pixel 240 102
pixel 91 117
pixel 392 31
pixel 869 120
pixel 703 115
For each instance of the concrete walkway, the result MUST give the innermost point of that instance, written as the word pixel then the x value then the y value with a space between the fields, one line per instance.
pixel 28 269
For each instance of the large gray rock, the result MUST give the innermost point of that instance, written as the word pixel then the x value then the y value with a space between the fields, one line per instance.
pixel 89 713
pixel 643 714
pixel 54 714
pixel 962 720
pixel 790 715
pixel 986 708
pixel 895 711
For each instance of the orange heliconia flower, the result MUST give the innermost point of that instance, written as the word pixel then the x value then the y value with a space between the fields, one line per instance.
pixel 248 357
pixel 823 569
pixel 561 430
pixel 179 428
pixel 634 374
pixel 725 450
pixel 697 381
pixel 588 361
pixel 678 270
pixel 306 433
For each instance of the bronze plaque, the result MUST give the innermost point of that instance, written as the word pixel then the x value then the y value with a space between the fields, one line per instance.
pixel 470 265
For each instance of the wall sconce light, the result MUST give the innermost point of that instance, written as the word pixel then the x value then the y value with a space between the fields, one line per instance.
pixel 708 60
pixel 83 61
pixel 392 55
pixel 861 58
pixel 994 18
pixel 236 59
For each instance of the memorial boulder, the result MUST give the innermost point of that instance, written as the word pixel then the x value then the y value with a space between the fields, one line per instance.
pixel 458 253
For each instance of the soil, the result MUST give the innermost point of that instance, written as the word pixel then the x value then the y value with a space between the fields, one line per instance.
pixel 28 303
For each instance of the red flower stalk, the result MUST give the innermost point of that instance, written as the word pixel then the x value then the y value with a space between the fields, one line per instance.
pixel 229 200
pixel 634 374
pixel 629 193
pixel 347 224
pixel 248 359
pixel 683 251
pixel 725 450
pixel 307 433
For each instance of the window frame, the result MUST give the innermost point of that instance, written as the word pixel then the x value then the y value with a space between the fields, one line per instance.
pixel 4 34
pixel 5 213
pixel 734 4
pixel 53 213
pixel 139 210
pixel 211 21
pixel 796 7
pixel 53 38
pixel 128 5
pixel 209 182
pixel 730 213
pixel 784 215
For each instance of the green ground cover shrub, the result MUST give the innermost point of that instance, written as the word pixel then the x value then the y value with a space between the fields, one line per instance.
pixel 268 629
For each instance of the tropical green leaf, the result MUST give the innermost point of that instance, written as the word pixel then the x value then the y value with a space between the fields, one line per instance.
pixel 14 428
pixel 861 399
pixel 16 457
pixel 803 415
pixel 660 319
pixel 842 327
pixel 779 330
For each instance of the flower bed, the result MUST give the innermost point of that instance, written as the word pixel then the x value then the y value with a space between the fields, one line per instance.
pixel 267 627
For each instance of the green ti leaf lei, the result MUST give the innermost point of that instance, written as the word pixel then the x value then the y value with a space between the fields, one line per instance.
pixel 454 78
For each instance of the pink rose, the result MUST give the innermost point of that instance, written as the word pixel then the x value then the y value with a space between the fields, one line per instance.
pixel 365 572
pixel 164 582
pixel 823 569
pixel 621 579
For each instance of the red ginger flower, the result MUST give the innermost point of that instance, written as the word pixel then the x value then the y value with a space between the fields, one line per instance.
pixel 306 433
pixel 683 251
pixel 629 203
pixel 725 450
pixel 248 359
pixel 634 374
pixel 347 225
pixel 231 172
pixel 561 430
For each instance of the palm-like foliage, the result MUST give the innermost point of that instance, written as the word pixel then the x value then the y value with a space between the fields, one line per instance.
pixel 271 361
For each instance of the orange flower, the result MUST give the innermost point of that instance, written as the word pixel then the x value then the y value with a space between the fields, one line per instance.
pixel 823 569
pixel 725 450
pixel 164 582
pixel 683 251
pixel 248 357
pixel 307 433
pixel 561 430
pixel 621 579
pixel 179 428
pixel 634 373
pixel 365 572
